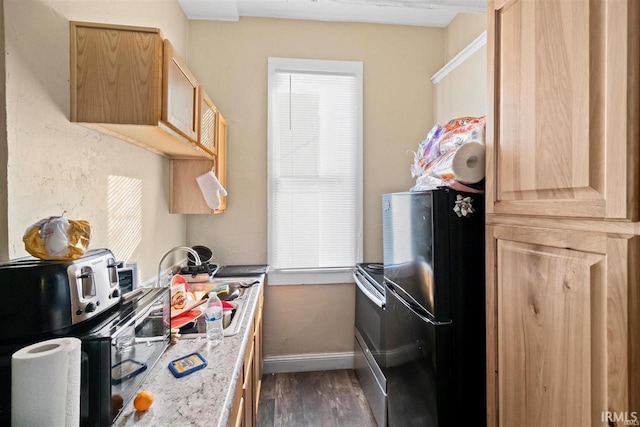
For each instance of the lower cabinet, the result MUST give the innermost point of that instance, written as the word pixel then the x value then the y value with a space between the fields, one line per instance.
pixel 247 393
pixel 563 327
pixel 258 356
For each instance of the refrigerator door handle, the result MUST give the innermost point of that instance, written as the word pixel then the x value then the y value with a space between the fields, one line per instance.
pixel 424 318
pixel 365 290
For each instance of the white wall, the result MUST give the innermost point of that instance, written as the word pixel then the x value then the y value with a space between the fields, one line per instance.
pixel 54 165
pixel 230 60
pixel 463 92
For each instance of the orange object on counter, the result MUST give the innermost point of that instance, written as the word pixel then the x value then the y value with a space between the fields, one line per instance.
pixel 143 400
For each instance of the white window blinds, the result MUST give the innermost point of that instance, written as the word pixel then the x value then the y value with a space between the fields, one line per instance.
pixel 315 171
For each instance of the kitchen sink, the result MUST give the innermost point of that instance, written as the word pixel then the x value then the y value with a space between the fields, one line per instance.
pixel 198 327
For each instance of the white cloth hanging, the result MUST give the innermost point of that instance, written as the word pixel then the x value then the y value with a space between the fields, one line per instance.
pixel 211 189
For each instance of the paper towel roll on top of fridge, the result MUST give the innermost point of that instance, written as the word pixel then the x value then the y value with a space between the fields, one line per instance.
pixel 464 164
pixel 45 384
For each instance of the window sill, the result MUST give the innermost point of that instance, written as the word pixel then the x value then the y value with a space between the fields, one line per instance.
pixel 315 277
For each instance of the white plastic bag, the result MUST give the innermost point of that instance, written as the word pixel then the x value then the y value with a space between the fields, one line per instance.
pixel 56 238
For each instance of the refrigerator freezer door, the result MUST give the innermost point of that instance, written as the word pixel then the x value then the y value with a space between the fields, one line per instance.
pixel 418 364
pixel 408 245
pixel 434 256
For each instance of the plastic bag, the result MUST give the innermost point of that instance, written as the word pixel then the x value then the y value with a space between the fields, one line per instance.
pixel 461 130
pixel 435 157
pixel 427 151
pixel 57 238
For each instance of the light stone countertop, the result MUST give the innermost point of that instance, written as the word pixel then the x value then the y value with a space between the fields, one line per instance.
pixel 204 397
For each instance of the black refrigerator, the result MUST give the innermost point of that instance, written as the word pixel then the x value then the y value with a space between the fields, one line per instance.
pixel 433 245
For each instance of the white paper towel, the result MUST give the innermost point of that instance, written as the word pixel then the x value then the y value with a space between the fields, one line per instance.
pixel 211 189
pixel 464 164
pixel 45 384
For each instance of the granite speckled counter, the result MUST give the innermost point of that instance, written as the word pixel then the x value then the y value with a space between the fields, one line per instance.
pixel 204 397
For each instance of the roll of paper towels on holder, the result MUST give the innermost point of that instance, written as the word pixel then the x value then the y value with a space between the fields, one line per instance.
pixel 45 384
pixel 464 164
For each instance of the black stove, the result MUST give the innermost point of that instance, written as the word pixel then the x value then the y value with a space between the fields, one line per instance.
pixel 374 272
pixel 369 345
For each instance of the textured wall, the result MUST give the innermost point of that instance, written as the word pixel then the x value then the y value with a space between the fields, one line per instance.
pixel 230 60
pixel 54 165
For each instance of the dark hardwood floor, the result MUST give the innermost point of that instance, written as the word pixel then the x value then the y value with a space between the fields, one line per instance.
pixel 313 399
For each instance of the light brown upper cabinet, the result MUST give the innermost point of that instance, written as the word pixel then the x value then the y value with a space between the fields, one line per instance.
pixel 221 158
pixel 207 122
pixel 126 84
pixel 180 90
pixel 185 195
pixel 563 107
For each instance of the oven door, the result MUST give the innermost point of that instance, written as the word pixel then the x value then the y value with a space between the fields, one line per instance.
pixel 369 346
pixel 369 316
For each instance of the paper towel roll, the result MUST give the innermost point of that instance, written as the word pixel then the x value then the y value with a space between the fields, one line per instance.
pixel 464 164
pixel 45 384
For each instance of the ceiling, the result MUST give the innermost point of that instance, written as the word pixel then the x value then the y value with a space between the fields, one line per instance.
pixel 431 13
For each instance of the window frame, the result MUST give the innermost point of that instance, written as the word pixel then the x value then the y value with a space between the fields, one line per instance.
pixel 317 275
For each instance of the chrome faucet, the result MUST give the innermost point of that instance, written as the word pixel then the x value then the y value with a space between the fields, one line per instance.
pixel 196 257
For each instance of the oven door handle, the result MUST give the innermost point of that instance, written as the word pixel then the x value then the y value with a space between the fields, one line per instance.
pixel 365 290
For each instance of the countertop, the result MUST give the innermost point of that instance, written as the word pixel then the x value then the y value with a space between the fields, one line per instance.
pixel 204 397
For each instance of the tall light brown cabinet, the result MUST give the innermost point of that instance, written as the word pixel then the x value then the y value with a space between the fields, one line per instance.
pixel 563 237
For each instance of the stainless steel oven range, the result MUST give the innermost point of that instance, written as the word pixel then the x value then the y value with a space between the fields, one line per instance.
pixel 369 345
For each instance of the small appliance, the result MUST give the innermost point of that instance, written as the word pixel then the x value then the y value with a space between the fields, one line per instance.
pixel 44 297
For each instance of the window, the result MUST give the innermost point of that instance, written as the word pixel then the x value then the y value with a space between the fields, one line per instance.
pixel 315 170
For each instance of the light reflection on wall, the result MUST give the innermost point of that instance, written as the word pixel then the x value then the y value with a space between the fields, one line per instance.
pixel 125 215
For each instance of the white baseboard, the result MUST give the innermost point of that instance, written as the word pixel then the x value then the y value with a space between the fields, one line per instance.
pixel 307 362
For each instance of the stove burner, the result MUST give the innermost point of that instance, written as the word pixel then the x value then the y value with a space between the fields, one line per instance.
pixel 375 267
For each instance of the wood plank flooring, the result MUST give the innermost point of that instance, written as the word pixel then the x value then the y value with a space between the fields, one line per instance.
pixel 313 399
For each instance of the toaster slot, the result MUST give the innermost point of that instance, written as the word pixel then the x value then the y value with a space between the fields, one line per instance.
pixel 112 267
pixel 87 282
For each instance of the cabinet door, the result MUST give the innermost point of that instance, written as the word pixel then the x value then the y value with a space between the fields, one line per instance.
pixel 239 419
pixel 257 356
pixel 184 193
pixel 561 348
pixel 220 160
pixel 248 392
pixel 236 418
pixel 207 123
pixel 563 108
pixel 116 74
pixel 180 94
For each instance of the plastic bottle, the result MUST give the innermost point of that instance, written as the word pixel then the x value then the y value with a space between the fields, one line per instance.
pixel 213 317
